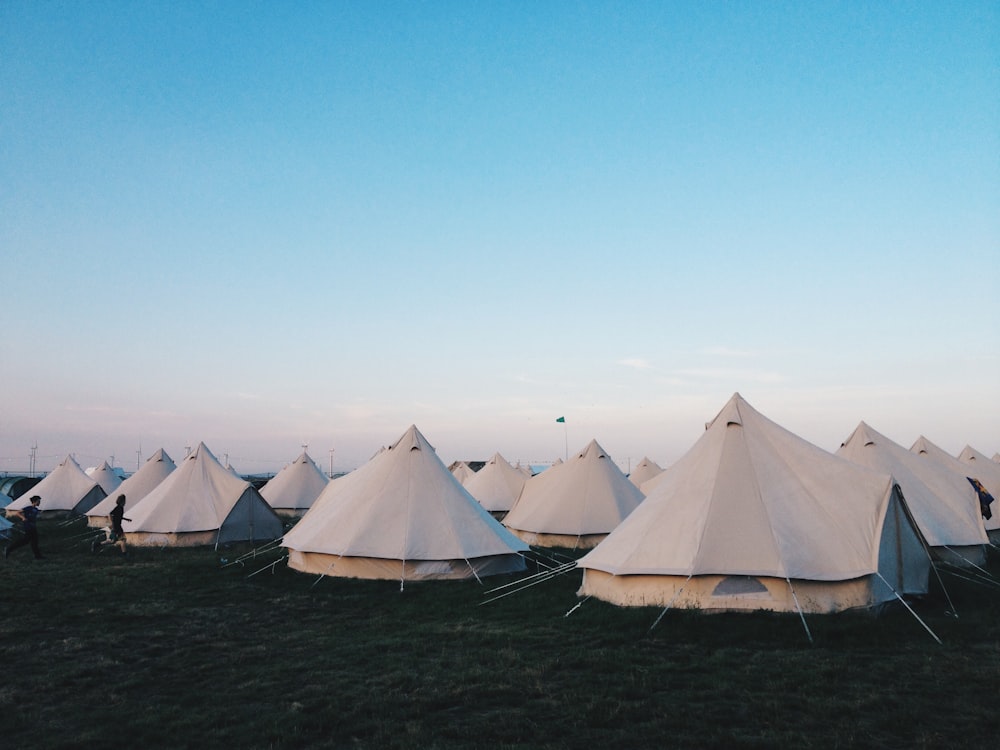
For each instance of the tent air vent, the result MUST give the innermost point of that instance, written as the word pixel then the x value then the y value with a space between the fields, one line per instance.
pixel 739 585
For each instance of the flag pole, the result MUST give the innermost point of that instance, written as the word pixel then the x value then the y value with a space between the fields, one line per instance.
pixel 565 435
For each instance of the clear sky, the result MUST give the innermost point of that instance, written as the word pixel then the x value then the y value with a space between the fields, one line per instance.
pixel 262 225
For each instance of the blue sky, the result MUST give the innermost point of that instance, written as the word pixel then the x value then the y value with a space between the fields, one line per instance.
pixel 260 225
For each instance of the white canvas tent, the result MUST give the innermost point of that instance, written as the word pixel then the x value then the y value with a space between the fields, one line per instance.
pixel 64 489
pixel 293 490
pixel 496 485
pixel 105 476
pixel 199 503
pixel 154 470
pixel 462 471
pixel 753 517
pixel 930 452
pixel 402 516
pixel 575 504
pixel 645 470
pixel 944 504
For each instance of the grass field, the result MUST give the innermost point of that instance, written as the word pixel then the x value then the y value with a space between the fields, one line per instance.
pixel 169 648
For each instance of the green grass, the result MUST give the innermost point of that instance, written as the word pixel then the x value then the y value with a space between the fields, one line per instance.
pixel 168 648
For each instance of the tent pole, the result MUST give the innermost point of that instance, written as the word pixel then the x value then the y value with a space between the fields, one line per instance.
pixel 909 608
pixel 473 571
pixel 678 593
pixel 799 608
pixel 947 596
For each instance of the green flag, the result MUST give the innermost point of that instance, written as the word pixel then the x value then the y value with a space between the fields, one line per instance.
pixel 561 419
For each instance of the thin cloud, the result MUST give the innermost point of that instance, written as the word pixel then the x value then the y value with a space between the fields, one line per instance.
pixel 725 351
pixel 636 362
pixel 723 373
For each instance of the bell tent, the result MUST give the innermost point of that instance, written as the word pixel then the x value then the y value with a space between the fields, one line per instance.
pixel 402 516
pixel 105 476
pixel 64 489
pixel 575 504
pixel 645 470
pixel 293 490
pixel 496 485
pixel 135 488
pixel 753 517
pixel 201 503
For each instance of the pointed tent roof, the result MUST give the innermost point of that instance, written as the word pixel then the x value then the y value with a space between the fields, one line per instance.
pixel 496 485
pixel 644 470
pixel 944 504
pixel 296 486
pixel 65 488
pixel 154 470
pixel 197 496
pixel 751 498
pixel 981 471
pixel 462 471
pixel 587 495
pixel 982 468
pixel 105 476
pixel 403 504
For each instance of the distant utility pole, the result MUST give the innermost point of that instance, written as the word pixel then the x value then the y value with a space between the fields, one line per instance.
pixel 34 452
pixel 331 463
pixel 138 457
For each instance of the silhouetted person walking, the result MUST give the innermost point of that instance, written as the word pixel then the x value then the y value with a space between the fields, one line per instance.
pixel 29 520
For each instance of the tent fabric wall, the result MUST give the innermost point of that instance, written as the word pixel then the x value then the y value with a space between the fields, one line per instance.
pixel 751 500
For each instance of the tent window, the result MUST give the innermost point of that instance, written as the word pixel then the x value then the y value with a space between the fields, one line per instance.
pixel 732 585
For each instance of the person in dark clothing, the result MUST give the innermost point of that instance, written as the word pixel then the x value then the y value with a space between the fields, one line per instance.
pixel 117 533
pixel 29 521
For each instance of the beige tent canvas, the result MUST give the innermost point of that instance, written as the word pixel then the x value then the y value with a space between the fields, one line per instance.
pixel 753 517
pixel 575 504
pixel 943 503
pixel 496 485
pixel 931 452
pixel 154 470
pixel 201 503
pixel 293 490
pixel 462 471
pixel 64 489
pixel 645 470
pixel 105 476
pixel 402 516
